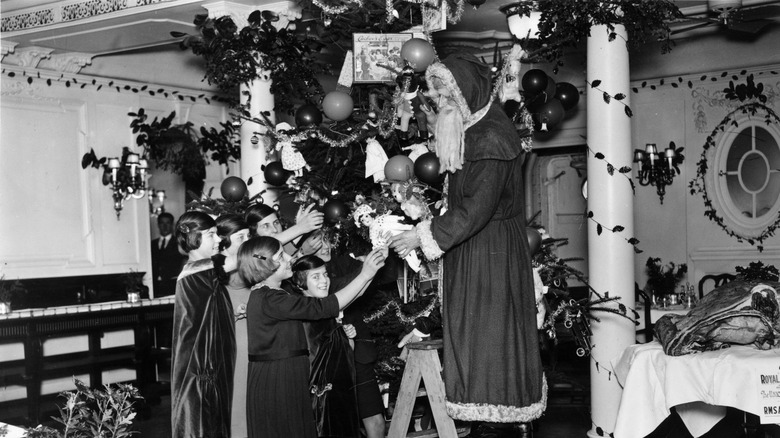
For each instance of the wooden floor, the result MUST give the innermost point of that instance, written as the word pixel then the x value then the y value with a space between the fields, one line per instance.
pixel 559 421
pixel 567 414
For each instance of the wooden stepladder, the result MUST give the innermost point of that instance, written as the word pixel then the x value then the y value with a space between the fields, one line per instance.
pixel 422 363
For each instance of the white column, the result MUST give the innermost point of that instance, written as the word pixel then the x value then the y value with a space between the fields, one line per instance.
pixel 257 93
pixel 253 156
pixel 611 257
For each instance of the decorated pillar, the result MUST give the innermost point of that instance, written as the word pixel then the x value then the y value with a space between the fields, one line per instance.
pixel 610 215
pixel 256 93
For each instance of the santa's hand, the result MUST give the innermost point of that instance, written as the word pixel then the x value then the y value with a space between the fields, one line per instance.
pixel 309 220
pixel 350 330
pixel 405 242
pixel 430 115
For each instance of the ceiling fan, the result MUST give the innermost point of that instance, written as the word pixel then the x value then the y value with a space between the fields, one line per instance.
pixel 731 15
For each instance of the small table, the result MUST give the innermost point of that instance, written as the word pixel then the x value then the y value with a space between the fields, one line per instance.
pixel 700 386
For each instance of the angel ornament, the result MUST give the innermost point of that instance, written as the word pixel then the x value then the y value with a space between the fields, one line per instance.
pixel 381 228
pixel 292 159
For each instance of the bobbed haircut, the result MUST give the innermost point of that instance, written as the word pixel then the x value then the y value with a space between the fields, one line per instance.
pixel 189 228
pixel 256 213
pixel 256 259
pixel 303 265
pixel 227 225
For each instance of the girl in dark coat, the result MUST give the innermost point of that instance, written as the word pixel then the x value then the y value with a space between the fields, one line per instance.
pixel 278 393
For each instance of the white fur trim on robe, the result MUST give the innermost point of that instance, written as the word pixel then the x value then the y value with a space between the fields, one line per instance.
pixel 429 247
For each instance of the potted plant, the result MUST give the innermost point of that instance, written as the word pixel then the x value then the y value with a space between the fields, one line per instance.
pixel 662 279
pixel 8 290
pixel 91 412
pixel 134 285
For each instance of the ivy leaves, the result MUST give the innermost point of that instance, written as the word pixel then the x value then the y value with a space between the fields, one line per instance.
pixel 633 241
pixel 619 97
pixel 748 90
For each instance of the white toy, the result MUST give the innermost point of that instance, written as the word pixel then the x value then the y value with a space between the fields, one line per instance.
pixel 382 227
pixel 292 159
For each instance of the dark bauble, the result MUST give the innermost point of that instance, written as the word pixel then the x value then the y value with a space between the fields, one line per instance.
pixel 426 169
pixel 534 103
pixel 334 211
pixel 275 174
pixel 534 240
pixel 399 168
pixel 568 94
pixel 550 89
pixel 550 114
pixel 308 116
pixel 534 82
pixel 233 189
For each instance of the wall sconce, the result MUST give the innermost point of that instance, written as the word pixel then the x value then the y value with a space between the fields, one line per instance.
pixel 523 19
pixel 156 202
pixel 658 171
pixel 127 178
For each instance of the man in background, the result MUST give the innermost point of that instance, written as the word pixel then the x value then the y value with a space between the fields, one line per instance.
pixel 167 261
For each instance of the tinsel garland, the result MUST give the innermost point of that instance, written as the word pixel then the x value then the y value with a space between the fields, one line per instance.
pixel 338 10
pixel 399 313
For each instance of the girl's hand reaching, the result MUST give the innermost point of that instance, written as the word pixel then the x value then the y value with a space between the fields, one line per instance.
pixel 374 261
pixel 309 220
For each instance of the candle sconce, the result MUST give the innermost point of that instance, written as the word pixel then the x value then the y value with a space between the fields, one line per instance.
pixel 657 170
pixel 127 178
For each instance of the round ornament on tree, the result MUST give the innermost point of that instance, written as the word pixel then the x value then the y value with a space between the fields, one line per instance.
pixel 233 189
pixel 399 168
pixel 426 168
pixel 308 116
pixel 275 174
pixel 534 240
pixel 418 53
pixel 334 211
pixel 549 115
pixel 337 105
pixel 567 94
pixel 550 89
pixel 534 82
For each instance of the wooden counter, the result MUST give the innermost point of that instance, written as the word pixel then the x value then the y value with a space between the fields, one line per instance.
pixel 30 329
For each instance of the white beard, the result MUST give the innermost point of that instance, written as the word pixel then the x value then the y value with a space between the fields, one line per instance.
pixel 449 139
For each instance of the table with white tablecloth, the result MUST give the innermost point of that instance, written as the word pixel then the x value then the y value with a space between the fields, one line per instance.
pixel 700 386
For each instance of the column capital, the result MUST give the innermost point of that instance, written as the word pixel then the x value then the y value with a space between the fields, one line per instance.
pixel 71 62
pixel 239 12
pixel 27 56
pixel 7 47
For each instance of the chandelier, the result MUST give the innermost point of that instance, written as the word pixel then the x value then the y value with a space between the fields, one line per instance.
pixel 127 178
pixel 523 19
pixel 658 171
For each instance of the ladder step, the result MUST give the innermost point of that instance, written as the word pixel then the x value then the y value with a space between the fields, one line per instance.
pixel 433 433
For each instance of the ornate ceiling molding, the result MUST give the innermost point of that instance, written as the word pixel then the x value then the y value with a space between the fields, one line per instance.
pixel 67 62
pixel 27 56
pixel 64 12
pixel 7 47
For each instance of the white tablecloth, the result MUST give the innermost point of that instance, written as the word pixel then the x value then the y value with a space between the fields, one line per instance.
pixel 700 385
